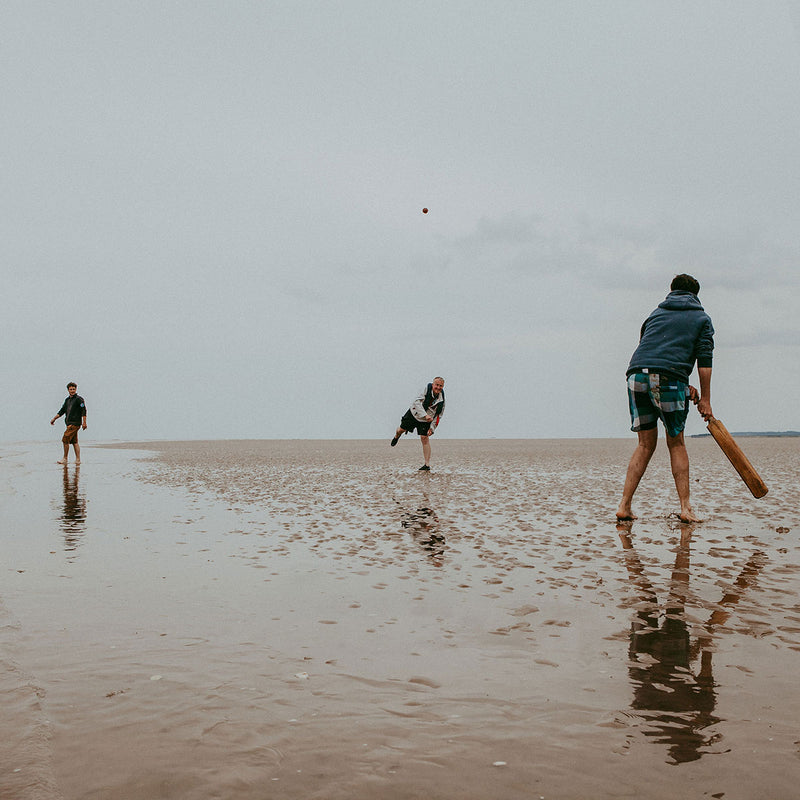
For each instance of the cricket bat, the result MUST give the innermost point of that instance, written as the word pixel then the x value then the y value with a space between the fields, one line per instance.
pixel 739 460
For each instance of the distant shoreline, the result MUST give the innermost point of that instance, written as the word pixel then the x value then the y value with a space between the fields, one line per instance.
pixel 772 434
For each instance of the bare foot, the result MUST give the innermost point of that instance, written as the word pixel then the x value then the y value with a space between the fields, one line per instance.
pixel 624 514
pixel 63 461
pixel 687 515
pixel 78 463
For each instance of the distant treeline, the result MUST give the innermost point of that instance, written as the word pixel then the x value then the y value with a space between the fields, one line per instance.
pixel 751 433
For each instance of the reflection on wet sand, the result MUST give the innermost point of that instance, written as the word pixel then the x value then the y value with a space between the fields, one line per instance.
pixel 423 524
pixel 73 515
pixel 677 702
pixel 270 612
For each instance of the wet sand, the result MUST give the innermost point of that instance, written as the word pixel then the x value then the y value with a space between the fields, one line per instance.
pixel 299 619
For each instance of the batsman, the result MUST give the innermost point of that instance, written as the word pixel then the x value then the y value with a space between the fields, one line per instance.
pixel 672 339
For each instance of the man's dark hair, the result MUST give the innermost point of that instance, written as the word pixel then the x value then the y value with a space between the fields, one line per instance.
pixel 684 283
pixel 72 383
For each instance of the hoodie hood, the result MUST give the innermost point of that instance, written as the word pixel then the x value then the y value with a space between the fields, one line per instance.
pixel 681 301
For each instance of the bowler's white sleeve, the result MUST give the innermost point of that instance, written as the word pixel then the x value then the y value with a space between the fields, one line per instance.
pixel 417 407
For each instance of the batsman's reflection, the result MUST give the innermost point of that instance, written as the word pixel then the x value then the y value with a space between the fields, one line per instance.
pixel 676 698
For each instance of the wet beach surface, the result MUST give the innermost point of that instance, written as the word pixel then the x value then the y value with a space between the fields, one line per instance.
pixel 300 619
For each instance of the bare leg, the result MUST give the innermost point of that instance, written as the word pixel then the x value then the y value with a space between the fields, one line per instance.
pixel 66 454
pixel 426 449
pixel 77 453
pixel 679 461
pixel 636 468
pixel 397 434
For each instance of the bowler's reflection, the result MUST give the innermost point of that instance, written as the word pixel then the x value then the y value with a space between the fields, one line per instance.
pixel 73 514
pixel 677 700
pixel 423 525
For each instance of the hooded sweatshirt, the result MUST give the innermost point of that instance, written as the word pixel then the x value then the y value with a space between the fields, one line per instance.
pixel 673 337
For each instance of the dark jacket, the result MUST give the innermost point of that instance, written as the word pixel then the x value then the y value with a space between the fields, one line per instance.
pixel 673 337
pixel 74 410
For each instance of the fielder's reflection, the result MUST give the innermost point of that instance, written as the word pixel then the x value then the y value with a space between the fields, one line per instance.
pixel 73 514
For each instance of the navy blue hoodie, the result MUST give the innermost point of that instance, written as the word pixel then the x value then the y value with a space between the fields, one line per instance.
pixel 673 337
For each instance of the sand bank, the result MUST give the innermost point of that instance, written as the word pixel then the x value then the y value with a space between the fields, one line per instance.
pixel 318 620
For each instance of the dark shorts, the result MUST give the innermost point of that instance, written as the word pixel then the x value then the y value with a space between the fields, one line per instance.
pixel 652 397
pixel 71 434
pixel 411 423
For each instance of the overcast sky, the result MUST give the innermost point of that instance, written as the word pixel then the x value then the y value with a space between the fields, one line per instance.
pixel 212 211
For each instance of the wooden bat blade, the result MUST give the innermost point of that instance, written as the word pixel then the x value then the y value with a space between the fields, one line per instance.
pixel 739 460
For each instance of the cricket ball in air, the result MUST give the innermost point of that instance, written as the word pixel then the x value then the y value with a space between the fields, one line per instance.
pixel 424 210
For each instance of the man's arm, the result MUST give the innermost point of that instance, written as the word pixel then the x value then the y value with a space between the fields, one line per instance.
pixel 704 352
pixel 61 412
pixel 83 422
pixel 704 400
pixel 418 408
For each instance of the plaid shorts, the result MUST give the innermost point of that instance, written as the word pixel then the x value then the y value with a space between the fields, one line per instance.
pixel 652 397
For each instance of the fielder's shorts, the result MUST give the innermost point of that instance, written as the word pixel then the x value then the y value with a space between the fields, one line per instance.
pixel 652 397
pixel 71 434
pixel 411 423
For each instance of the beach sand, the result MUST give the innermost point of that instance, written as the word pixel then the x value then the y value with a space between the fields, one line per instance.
pixel 317 619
